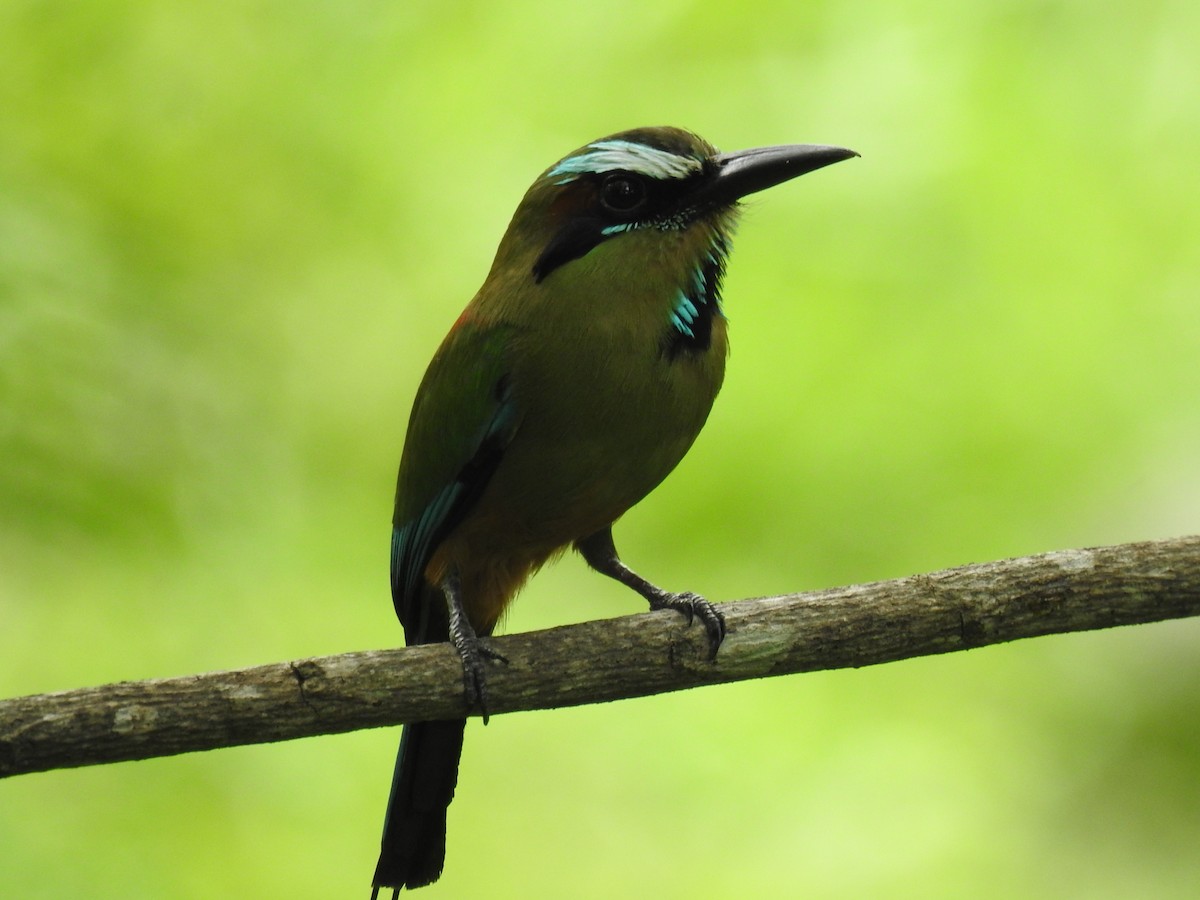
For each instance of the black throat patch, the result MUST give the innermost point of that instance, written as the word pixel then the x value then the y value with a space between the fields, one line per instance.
pixel 689 328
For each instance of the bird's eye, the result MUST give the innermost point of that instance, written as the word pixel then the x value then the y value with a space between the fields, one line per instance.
pixel 622 193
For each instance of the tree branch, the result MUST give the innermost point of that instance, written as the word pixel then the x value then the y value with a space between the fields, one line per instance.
pixel 650 653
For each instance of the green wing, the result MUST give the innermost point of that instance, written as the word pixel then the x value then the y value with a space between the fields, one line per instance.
pixel 462 421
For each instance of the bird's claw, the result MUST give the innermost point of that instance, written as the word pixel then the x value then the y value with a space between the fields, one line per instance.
pixel 694 606
pixel 475 655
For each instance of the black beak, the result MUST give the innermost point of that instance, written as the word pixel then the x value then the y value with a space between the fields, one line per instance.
pixel 747 171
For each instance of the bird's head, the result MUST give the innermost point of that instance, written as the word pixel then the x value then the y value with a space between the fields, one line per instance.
pixel 646 191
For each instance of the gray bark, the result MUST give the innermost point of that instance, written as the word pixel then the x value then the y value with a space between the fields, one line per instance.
pixel 650 653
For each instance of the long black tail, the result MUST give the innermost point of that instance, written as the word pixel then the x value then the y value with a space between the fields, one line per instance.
pixel 414 829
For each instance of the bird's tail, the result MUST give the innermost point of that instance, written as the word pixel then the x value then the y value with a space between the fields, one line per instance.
pixel 414 830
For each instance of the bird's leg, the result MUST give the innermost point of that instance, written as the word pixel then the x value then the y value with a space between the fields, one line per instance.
pixel 471 650
pixel 601 554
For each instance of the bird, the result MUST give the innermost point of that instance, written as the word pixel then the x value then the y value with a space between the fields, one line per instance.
pixel 570 386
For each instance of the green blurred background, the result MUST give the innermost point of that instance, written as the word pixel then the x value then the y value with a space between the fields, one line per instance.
pixel 231 236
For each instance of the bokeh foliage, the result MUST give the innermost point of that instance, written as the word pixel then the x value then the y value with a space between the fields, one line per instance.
pixel 232 234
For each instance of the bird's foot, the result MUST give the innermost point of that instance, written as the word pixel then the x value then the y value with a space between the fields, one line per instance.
pixel 475 655
pixel 694 606
pixel 601 555
pixel 472 651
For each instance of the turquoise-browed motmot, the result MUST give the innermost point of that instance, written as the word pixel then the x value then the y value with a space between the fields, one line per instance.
pixel 569 387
